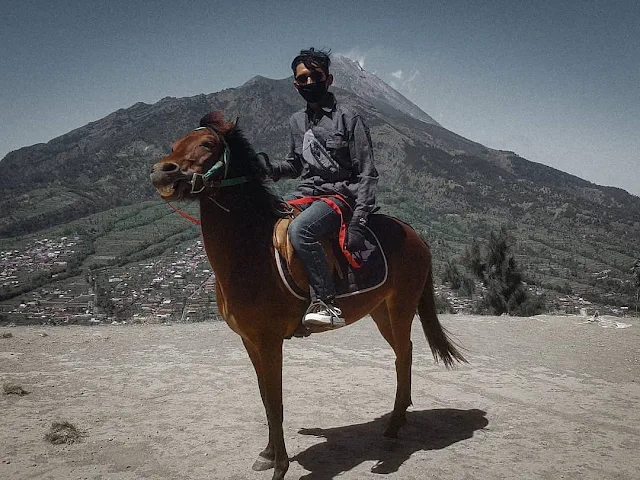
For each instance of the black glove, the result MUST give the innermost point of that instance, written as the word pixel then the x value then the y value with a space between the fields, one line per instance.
pixel 268 167
pixel 356 234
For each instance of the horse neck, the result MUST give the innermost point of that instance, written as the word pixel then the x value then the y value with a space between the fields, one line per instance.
pixel 240 237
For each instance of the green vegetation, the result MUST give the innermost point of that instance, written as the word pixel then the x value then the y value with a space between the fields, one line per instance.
pixel 635 270
pixel 569 237
pixel 496 268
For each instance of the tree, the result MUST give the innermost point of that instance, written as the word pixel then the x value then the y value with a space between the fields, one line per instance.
pixel 451 275
pixel 498 271
pixel 636 273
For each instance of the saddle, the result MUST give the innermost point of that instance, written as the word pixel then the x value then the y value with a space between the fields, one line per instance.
pixel 348 280
pixel 296 270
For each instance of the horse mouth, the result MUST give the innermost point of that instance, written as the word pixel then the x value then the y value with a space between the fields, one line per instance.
pixel 167 191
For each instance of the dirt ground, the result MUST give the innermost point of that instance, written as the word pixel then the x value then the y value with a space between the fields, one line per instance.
pixel 543 397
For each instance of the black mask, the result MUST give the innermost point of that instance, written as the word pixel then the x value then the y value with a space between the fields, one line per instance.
pixel 313 92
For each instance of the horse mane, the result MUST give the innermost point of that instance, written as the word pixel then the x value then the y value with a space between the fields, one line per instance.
pixel 245 158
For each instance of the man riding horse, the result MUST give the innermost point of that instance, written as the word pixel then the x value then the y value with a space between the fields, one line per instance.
pixel 217 166
pixel 331 151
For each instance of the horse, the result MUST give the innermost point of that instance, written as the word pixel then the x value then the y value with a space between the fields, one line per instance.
pixel 216 165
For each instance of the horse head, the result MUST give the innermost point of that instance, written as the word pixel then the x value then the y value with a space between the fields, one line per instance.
pixel 199 160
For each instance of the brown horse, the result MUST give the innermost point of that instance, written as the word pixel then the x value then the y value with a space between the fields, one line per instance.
pixel 217 165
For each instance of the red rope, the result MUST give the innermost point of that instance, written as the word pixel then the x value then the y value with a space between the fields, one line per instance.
pixel 184 214
pixel 342 235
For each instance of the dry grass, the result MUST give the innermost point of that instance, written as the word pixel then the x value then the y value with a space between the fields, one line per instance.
pixel 14 389
pixel 63 432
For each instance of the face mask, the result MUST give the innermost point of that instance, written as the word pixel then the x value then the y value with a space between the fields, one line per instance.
pixel 313 92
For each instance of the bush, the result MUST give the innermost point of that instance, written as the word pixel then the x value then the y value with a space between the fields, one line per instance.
pixel 443 305
pixel 531 306
pixel 62 432
pixel 452 275
pixel 496 268
pixel 468 287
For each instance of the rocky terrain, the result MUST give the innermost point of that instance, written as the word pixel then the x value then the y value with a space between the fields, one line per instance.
pixel 542 398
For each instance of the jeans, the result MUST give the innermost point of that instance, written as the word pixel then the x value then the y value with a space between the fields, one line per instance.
pixel 316 221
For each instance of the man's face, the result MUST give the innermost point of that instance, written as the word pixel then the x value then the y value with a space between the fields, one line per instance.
pixel 304 76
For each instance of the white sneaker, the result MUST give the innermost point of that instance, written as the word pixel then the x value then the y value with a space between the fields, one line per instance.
pixel 322 314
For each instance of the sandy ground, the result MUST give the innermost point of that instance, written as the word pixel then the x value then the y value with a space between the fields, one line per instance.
pixel 546 397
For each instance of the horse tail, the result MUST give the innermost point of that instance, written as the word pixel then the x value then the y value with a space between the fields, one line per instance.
pixel 437 336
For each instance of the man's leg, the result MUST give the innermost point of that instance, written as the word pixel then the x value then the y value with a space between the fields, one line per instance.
pixel 306 230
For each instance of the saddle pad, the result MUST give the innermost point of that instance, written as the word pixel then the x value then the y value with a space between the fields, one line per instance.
pixel 372 273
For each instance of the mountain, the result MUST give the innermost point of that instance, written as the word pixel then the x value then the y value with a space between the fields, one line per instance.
pixel 92 183
pixel 349 75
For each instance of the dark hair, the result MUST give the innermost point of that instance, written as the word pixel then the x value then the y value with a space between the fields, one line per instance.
pixel 312 58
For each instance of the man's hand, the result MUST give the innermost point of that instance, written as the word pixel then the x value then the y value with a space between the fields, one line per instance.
pixel 268 167
pixel 355 234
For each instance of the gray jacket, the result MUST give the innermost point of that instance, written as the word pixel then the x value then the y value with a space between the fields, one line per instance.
pixel 331 152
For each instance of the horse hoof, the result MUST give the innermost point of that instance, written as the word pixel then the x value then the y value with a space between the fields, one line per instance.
pixel 279 472
pixel 262 464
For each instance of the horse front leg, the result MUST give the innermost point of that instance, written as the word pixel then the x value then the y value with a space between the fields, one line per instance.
pixel 266 458
pixel 271 380
pixel 267 362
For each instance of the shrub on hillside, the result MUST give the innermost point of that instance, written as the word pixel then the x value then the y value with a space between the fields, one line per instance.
pixel 496 268
pixel 452 275
pixel 443 305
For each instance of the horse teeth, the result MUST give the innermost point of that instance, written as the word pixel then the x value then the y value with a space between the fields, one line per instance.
pixel 166 190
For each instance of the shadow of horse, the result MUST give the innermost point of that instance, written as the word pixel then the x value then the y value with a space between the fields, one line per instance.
pixel 348 446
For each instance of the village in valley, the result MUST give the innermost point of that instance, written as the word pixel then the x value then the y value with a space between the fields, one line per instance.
pixel 176 286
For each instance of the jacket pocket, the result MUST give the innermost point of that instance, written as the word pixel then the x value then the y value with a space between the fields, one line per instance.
pixel 339 151
pixel 336 143
pixel 316 155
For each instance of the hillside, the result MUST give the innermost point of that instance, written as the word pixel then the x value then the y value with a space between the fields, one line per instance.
pixel 573 237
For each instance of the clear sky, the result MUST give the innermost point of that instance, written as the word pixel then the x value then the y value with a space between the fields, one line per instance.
pixel 556 81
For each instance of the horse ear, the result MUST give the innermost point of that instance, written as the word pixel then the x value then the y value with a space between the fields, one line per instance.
pixel 215 121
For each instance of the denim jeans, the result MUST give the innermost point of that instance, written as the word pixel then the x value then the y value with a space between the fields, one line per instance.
pixel 316 221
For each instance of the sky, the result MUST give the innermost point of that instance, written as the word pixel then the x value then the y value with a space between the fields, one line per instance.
pixel 558 81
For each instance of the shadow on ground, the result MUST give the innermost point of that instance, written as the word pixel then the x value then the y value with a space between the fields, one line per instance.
pixel 348 446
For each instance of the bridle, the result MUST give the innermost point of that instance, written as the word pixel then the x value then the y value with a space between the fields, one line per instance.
pixel 204 178
pixel 222 163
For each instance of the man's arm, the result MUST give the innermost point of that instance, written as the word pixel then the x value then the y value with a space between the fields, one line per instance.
pixel 291 166
pixel 361 151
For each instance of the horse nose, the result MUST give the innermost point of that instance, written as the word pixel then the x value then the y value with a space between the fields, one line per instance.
pixel 168 167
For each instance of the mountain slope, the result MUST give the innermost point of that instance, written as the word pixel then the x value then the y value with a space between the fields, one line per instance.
pixel 350 76
pixel 449 188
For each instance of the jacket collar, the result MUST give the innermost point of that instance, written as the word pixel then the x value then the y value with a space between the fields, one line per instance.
pixel 328 105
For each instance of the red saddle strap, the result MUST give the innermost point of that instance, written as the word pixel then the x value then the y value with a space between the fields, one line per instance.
pixel 342 235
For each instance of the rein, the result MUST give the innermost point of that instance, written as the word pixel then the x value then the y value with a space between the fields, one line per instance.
pixel 184 214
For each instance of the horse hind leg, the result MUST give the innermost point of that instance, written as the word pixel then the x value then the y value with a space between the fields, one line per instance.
pixel 395 326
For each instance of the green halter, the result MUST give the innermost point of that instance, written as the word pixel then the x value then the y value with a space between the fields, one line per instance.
pixel 222 163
